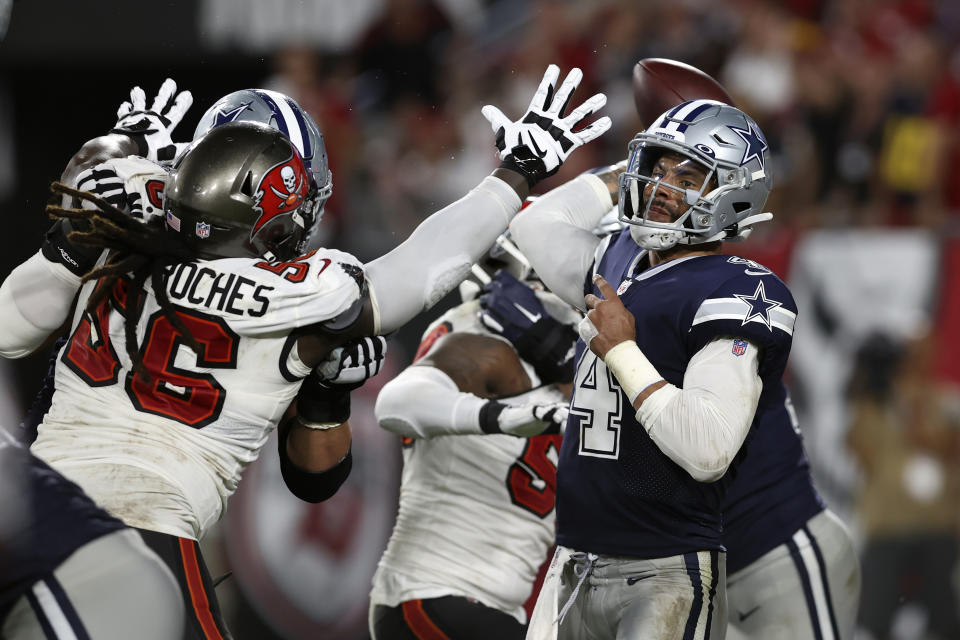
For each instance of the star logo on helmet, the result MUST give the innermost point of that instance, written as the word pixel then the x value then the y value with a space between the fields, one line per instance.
pixel 223 115
pixel 760 306
pixel 756 145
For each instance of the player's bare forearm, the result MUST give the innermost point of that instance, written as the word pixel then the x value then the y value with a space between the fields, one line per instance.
pixel 516 181
pixel 611 178
pixel 316 450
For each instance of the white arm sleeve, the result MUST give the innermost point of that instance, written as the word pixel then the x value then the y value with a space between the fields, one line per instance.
pixel 555 233
pixel 702 426
pixel 438 254
pixel 35 299
pixel 424 402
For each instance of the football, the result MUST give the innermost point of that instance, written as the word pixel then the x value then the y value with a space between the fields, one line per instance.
pixel 660 84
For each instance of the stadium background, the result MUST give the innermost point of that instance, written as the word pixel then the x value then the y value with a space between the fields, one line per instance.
pixel 860 100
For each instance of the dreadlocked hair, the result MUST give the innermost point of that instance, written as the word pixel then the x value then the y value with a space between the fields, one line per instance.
pixel 138 250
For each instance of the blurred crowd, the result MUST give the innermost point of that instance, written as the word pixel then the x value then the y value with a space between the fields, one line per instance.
pixel 860 99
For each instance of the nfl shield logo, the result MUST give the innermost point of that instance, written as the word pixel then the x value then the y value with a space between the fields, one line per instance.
pixel 739 347
pixel 203 230
pixel 623 287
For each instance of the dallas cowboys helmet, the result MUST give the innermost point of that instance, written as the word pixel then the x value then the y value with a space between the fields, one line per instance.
pixel 284 114
pixel 735 157
pixel 238 191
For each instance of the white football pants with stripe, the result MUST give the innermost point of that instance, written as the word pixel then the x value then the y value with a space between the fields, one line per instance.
pixel 587 597
pixel 112 588
pixel 806 589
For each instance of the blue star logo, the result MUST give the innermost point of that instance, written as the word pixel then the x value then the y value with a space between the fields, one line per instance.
pixel 223 117
pixel 756 145
pixel 760 306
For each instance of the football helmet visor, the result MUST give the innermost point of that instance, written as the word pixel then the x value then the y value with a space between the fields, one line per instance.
pixel 238 191
pixel 729 148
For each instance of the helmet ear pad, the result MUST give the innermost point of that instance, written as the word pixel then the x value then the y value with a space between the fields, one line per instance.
pixel 237 192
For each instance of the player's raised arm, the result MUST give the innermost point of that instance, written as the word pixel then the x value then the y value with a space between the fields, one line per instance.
pixel 700 426
pixel 140 130
pixel 439 252
pixel 567 216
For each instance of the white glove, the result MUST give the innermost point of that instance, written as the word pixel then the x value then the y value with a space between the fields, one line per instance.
pixel 537 144
pixel 544 412
pixel 132 184
pixel 353 363
pixel 152 128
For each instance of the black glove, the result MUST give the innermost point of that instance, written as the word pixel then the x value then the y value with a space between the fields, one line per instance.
pixel 511 309
pixel 324 396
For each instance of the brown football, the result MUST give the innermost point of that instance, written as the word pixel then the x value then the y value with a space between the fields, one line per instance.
pixel 660 84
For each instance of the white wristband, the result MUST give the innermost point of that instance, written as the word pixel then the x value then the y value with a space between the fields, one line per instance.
pixel 319 426
pixel 632 369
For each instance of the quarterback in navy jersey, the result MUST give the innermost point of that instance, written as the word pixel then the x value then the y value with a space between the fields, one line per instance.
pixel 697 342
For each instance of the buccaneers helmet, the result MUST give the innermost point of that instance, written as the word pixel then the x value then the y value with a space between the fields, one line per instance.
pixel 284 114
pixel 735 157
pixel 238 191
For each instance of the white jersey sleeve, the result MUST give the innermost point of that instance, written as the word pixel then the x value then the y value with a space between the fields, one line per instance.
pixel 555 233
pixel 702 426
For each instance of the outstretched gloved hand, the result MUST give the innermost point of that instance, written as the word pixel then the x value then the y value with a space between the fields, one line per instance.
pixel 152 128
pixel 538 143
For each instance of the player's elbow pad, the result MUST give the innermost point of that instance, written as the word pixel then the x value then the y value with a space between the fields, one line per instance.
pixel 313 486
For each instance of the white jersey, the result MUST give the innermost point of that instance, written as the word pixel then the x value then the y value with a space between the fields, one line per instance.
pixel 476 515
pixel 164 449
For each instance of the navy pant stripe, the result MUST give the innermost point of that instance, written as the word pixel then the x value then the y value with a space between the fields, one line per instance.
pixel 807 589
pixel 714 569
pixel 67 607
pixel 826 583
pixel 693 570
pixel 41 615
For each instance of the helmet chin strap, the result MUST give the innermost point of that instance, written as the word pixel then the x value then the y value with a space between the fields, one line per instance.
pixel 654 239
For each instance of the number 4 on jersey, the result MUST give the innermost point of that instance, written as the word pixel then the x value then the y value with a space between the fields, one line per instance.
pixel 596 408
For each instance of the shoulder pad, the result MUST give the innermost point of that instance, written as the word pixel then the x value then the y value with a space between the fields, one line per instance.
pixel 751 303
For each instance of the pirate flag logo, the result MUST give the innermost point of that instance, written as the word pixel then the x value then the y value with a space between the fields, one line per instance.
pixel 281 190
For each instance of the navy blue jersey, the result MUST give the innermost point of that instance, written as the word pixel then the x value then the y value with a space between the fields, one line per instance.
pixel 617 493
pixel 772 493
pixel 45 519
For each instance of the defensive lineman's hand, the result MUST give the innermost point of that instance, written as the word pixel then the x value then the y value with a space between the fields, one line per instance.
pixel 352 364
pixel 152 128
pixel 538 143
pixel 608 322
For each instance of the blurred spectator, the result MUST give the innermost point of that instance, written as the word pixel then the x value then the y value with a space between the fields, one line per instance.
pixel 905 433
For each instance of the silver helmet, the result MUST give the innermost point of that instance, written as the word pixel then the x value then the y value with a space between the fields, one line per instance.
pixel 730 150
pixel 281 112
